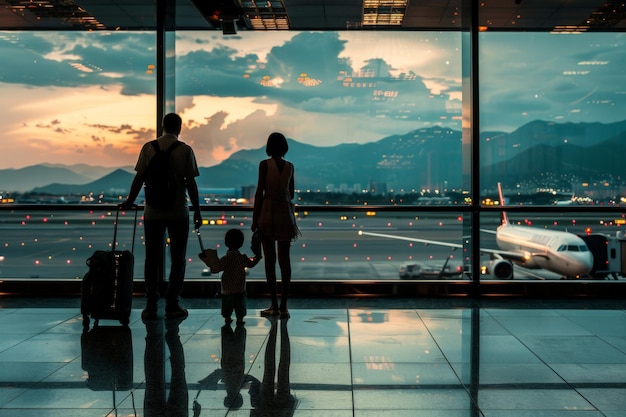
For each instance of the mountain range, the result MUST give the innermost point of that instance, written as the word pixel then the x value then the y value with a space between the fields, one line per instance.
pixel 424 158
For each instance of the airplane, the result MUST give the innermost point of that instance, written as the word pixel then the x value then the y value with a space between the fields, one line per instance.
pixel 560 252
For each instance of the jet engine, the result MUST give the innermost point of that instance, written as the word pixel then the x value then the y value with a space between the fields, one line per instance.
pixel 497 269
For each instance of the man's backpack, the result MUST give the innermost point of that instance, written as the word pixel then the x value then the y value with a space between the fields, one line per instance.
pixel 161 182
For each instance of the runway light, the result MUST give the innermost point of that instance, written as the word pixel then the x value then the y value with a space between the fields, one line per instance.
pixel 354 245
pixel 304 245
pixel 302 259
pixel 368 258
pixel 346 258
pixel 324 258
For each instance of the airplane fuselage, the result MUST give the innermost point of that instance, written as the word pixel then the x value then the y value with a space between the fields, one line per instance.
pixel 560 252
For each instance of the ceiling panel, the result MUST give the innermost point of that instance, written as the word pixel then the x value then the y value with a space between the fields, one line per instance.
pixel 318 14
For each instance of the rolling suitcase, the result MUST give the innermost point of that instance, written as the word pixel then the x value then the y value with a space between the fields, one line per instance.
pixel 107 287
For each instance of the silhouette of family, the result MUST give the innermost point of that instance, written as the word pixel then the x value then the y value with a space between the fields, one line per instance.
pixel 167 169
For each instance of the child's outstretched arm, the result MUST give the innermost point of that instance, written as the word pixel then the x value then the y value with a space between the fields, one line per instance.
pixel 253 261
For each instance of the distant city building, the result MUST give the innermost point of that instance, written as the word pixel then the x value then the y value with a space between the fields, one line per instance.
pixel 377 188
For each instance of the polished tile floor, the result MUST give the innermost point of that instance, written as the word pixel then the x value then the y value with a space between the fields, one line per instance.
pixel 343 357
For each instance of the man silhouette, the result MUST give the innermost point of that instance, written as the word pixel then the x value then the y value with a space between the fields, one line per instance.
pixel 174 218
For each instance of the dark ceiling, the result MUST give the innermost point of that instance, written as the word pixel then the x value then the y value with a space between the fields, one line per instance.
pixel 518 15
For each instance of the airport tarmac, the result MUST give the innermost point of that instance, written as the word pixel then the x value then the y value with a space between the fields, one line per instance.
pixel 56 245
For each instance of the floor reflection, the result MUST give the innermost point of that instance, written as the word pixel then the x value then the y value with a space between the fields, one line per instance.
pixel 371 360
pixel 156 402
pixel 232 372
pixel 107 358
pixel 272 396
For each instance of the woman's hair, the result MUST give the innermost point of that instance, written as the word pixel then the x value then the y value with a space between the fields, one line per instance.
pixel 234 239
pixel 276 145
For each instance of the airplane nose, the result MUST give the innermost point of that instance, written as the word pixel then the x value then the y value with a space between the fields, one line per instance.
pixel 584 263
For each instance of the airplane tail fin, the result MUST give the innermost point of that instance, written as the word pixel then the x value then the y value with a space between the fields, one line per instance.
pixel 504 217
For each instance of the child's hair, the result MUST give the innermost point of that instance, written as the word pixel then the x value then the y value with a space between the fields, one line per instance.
pixel 234 239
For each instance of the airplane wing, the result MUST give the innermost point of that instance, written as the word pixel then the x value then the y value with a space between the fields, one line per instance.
pixel 412 239
pixel 517 256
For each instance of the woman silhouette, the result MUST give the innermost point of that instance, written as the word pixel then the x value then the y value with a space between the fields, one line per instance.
pixel 274 217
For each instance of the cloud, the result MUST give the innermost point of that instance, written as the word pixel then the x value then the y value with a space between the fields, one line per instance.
pixel 306 72
pixel 54 126
pixel 60 59
pixel 321 88
pixel 215 139
pixel 568 78
pixel 137 134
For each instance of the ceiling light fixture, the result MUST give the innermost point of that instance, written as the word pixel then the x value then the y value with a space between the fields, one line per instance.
pixel 64 10
pixel 384 12
pixel 266 15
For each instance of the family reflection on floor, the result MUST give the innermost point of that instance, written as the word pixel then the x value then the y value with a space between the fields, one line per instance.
pixel 107 357
pixel 269 397
pixel 369 357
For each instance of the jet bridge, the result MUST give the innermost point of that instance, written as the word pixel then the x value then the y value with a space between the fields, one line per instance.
pixel 609 254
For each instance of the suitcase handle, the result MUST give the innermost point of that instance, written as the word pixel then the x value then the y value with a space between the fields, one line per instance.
pixel 200 240
pixel 117 215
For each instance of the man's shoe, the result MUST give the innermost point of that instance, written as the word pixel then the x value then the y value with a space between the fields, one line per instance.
pixel 176 313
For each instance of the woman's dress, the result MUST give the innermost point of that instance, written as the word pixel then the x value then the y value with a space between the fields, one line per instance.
pixel 277 220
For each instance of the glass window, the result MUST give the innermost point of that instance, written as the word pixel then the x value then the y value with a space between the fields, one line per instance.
pixel 373 116
pixel 78 105
pixel 551 117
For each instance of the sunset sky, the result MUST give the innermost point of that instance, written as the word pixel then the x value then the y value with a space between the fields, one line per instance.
pixel 89 97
